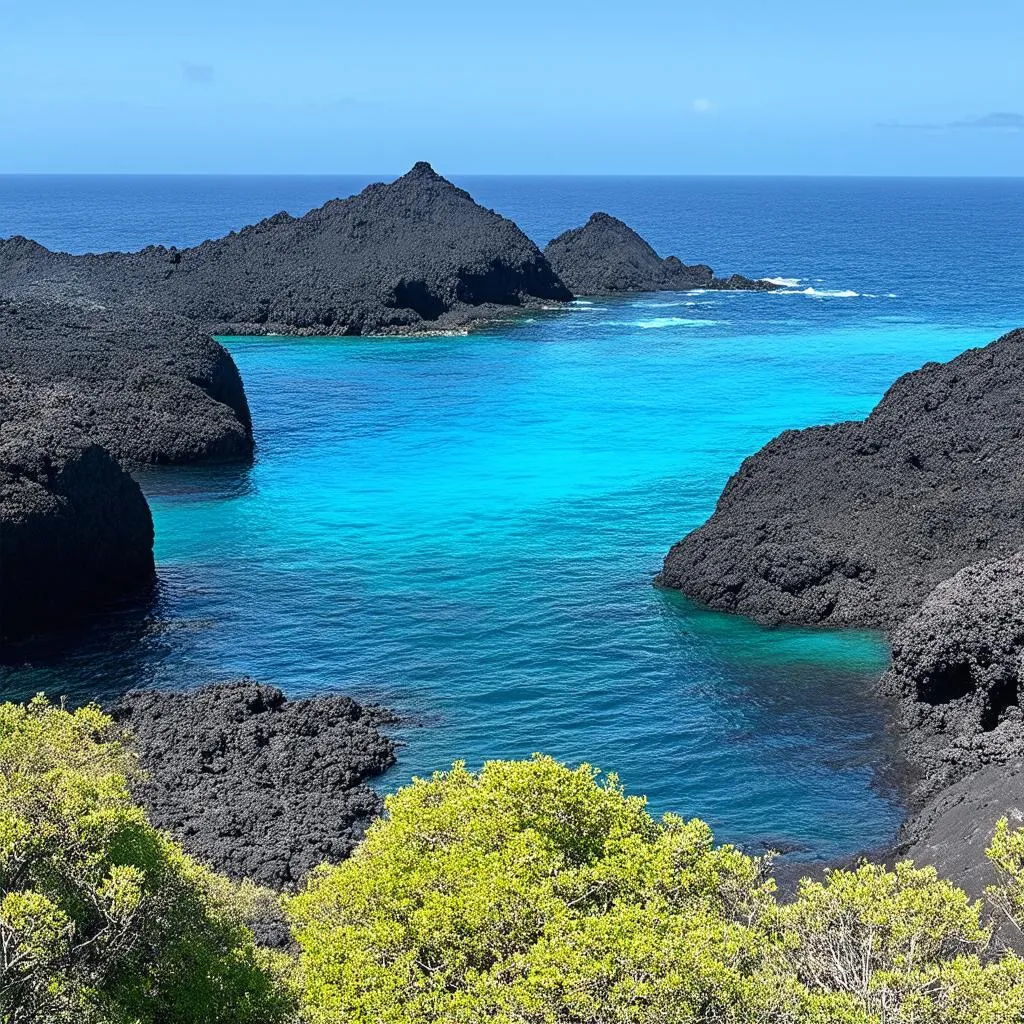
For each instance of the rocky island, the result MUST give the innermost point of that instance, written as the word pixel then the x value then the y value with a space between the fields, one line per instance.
pixel 414 255
pixel 606 256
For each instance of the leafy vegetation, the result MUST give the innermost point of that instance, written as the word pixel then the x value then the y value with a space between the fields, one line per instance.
pixel 102 917
pixel 527 893
pixel 532 893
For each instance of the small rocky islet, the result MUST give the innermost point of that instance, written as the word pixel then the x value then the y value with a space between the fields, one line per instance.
pixel 909 521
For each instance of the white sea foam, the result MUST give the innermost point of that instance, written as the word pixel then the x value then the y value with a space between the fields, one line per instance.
pixel 675 321
pixel 672 304
pixel 783 282
pixel 823 293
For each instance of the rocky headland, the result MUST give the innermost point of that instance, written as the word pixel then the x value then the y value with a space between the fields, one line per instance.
pixel 414 255
pixel 606 256
pixel 252 784
pixel 87 393
pixel 911 521
pixel 855 524
pixel 148 387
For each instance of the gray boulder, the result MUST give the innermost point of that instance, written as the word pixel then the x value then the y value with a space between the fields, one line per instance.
pixel 148 387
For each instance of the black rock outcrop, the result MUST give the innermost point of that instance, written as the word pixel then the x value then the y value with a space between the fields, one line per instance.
pixel 957 678
pixel 148 387
pixel 75 530
pixel 606 256
pixel 856 523
pixel 255 785
pixel 417 254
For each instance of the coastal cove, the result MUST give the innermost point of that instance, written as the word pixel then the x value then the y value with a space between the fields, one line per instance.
pixel 465 530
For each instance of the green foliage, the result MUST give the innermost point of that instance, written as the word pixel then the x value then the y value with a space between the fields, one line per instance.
pixel 534 894
pixel 527 893
pixel 102 918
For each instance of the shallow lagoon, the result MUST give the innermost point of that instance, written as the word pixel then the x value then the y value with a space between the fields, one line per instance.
pixel 466 529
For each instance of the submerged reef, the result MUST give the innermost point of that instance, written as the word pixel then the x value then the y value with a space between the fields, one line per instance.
pixel 252 784
pixel 607 256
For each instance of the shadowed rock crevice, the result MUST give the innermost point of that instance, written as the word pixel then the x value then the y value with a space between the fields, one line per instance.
pixel 956 677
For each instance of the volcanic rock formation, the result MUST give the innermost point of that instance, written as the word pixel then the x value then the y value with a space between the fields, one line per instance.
pixel 75 530
pixel 417 254
pixel 252 784
pixel 957 676
pixel 856 523
pixel 607 256
pixel 148 387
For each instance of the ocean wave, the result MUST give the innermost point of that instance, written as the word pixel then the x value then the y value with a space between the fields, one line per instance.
pixel 783 282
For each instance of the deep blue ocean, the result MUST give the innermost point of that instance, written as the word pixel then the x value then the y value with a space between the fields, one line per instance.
pixel 465 529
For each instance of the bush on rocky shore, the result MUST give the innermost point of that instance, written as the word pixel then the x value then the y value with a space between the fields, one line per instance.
pixel 526 892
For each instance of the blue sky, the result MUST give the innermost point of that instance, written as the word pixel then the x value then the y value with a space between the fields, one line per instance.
pixel 535 86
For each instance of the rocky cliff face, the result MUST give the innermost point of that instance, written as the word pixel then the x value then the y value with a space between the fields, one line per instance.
pixel 75 530
pixel 416 254
pixel 855 524
pixel 606 256
pixel 148 387
pixel 255 785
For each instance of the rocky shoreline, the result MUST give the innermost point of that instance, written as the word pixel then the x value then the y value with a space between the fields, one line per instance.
pixel 911 521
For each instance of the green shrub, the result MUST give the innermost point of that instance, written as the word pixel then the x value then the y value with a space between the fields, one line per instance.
pixel 534 894
pixel 102 918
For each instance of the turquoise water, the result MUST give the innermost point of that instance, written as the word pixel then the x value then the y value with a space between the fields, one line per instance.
pixel 465 529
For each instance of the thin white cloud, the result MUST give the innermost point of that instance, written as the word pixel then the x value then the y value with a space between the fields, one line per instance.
pixel 1006 123
pixel 702 105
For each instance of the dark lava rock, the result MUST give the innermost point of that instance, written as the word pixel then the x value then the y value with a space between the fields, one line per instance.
pixel 417 254
pixel 252 784
pixel 856 523
pixel 957 676
pixel 607 256
pixel 75 530
pixel 148 387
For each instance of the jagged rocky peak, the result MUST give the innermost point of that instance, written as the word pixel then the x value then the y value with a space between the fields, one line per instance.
pixel 416 254
pixel 606 256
